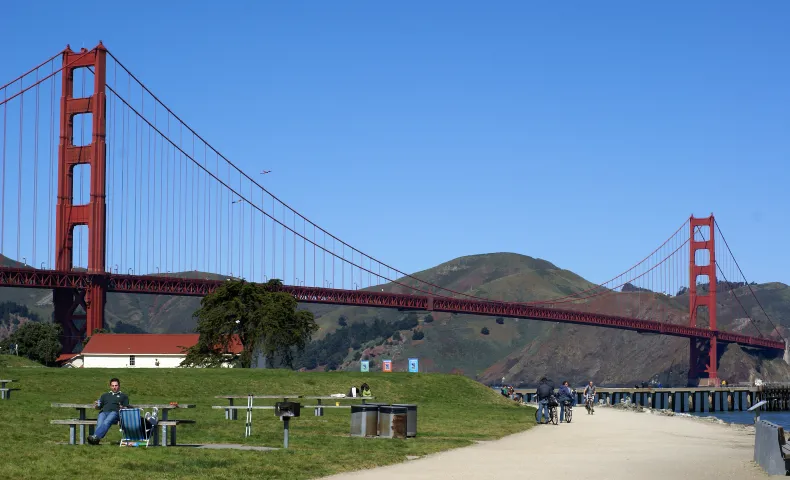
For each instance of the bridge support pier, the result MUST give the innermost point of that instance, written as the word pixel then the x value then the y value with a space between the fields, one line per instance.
pixel 703 363
pixel 80 312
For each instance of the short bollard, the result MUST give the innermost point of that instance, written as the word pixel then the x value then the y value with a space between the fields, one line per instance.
pixel 286 410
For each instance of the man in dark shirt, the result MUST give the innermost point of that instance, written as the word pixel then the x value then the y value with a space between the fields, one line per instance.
pixel 109 404
pixel 544 391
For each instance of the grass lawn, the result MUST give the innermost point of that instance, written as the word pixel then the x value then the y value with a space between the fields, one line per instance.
pixel 453 411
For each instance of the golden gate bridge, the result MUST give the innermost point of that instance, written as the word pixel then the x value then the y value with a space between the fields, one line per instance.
pixel 103 189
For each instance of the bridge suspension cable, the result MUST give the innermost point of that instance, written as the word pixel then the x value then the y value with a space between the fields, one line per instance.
pixel 746 283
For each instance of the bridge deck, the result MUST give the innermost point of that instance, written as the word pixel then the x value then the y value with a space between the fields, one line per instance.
pixel 32 278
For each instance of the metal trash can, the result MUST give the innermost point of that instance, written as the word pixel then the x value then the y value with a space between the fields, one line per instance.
pixel 411 418
pixel 364 420
pixel 392 421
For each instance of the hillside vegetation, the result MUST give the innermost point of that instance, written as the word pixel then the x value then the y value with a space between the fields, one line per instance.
pixel 453 411
pixel 487 348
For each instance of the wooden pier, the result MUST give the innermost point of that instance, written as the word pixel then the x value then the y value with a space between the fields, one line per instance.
pixel 690 399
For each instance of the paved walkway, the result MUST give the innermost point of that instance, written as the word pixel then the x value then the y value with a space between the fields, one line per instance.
pixel 611 444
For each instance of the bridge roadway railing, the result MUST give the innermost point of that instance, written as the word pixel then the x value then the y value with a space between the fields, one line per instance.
pixel 171 285
pixel 687 399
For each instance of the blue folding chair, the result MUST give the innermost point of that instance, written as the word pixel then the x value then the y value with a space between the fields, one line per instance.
pixel 133 428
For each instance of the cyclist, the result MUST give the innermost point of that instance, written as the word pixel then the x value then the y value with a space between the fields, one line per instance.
pixel 544 391
pixel 565 397
pixel 589 396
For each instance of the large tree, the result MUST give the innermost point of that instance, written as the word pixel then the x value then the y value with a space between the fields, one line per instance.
pixel 37 341
pixel 263 317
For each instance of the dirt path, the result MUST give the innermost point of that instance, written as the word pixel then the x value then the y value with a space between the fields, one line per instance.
pixel 611 444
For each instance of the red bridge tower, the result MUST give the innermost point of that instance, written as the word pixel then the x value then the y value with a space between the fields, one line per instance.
pixel 71 303
pixel 703 360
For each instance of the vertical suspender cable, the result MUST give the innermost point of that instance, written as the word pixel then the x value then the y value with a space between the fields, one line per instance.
pixel 149 211
pixel 19 185
pixel 180 197
pixel 2 182
pixel 51 167
pixel 167 200
pixel 218 242
pixel 230 230
pixel 263 220
pixel 252 242
pixel 35 175
pixel 207 212
pixel 135 200
pixel 241 250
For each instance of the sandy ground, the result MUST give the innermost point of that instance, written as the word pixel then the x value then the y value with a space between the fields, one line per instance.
pixel 611 444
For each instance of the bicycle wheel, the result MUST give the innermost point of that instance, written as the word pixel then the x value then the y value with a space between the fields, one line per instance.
pixel 568 414
pixel 554 416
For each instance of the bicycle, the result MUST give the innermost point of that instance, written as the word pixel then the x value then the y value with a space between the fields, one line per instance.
pixel 588 404
pixel 553 415
pixel 568 411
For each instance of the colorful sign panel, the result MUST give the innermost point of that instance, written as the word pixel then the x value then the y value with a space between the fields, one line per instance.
pixel 364 366
pixel 386 365
pixel 414 365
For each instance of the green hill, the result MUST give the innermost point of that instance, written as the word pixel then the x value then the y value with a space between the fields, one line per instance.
pixel 453 411
pixel 519 350
pixel 14 361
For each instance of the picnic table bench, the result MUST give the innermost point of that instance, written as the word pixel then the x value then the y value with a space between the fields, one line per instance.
pixel 231 410
pixel 5 392
pixel 82 422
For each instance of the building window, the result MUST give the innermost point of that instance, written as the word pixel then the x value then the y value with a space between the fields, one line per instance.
pixel 131 360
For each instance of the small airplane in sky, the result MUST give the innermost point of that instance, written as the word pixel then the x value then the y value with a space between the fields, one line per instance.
pixel 265 172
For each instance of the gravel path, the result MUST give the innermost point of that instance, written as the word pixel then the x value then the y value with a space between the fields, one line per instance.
pixel 612 444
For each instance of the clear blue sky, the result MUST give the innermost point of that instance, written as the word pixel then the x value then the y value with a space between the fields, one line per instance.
pixel 583 133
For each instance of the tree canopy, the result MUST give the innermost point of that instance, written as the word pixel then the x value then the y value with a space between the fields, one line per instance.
pixel 37 341
pixel 261 316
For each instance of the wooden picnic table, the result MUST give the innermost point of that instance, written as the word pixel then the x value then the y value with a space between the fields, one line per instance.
pixel 163 409
pixel 231 411
pixel 5 392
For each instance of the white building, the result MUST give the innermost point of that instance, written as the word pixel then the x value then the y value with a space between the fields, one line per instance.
pixel 134 350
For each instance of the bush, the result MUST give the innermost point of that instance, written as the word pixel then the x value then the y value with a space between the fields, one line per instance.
pixel 500 320
pixel 484 331
pixel 428 318
pixel 418 335
pixel 342 321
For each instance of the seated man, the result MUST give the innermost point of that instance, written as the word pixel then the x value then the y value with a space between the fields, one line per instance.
pixel 109 404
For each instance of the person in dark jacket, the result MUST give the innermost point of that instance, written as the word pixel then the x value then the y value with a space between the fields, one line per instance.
pixel 109 404
pixel 565 395
pixel 544 391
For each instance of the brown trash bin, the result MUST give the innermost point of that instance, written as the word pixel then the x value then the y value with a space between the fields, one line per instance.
pixel 392 421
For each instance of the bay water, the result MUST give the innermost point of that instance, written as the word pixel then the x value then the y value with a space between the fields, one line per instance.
pixel 747 418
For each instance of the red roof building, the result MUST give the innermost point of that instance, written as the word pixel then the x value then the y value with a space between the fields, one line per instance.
pixel 136 350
